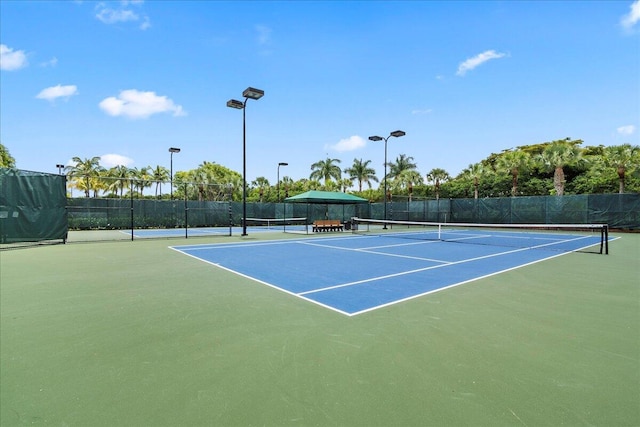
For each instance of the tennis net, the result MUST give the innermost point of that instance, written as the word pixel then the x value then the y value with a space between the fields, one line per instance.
pixel 293 225
pixel 560 237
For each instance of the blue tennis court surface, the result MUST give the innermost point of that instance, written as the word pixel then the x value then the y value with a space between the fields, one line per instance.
pixel 356 274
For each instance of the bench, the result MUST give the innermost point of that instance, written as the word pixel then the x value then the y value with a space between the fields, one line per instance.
pixel 321 225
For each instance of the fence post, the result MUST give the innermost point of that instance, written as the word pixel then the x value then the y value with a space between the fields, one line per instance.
pixel 186 213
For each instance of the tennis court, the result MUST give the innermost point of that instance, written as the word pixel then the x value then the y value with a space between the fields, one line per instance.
pixel 254 225
pixel 354 274
pixel 132 333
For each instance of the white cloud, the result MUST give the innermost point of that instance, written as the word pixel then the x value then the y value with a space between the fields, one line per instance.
pixel 139 105
pixel 112 160
pixel 146 23
pixel 50 63
pixel 59 91
pixel 421 112
pixel 478 60
pixel 349 144
pixel 11 59
pixel 112 16
pixel 629 20
pixel 121 13
pixel 626 130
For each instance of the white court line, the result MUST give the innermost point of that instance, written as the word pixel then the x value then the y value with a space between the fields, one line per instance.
pixel 182 249
pixel 234 245
pixel 447 264
pixel 261 281
pixel 367 250
pixel 403 273
pixel 264 242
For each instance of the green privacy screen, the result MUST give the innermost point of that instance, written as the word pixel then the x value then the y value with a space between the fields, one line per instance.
pixel 32 206
pixel 619 211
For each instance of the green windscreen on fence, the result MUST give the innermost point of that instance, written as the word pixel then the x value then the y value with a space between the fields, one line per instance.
pixel 621 211
pixel 32 206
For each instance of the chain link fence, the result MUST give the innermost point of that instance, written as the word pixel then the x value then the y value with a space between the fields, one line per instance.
pixel 620 211
pixel 119 209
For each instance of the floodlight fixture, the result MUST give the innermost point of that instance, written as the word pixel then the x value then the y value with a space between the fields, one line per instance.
pixel 376 138
pixel 253 93
pixel 60 167
pixel 234 103
pixel 398 133
pixel 174 150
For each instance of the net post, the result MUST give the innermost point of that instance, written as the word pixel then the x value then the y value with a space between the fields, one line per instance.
pixel 601 239
pixel 131 206
pixel 606 238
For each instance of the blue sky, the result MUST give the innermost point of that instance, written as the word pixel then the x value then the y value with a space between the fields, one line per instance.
pixel 126 80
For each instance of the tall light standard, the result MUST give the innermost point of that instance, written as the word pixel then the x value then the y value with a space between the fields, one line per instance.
pixel 172 150
pixel 396 134
pixel 249 93
pixel 60 167
pixel 280 164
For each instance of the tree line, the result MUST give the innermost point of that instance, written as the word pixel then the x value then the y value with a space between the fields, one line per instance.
pixel 551 168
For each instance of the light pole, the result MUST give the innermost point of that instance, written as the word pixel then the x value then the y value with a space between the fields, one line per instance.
pixel 396 134
pixel 280 164
pixel 249 93
pixel 59 166
pixel 172 150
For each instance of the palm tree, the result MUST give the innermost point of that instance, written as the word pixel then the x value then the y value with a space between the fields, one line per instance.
pixel 556 156
pixel 402 163
pixel 111 183
pixel 142 178
pixel 287 183
pixel 475 172
pixel 361 172
pixel 332 185
pixel 119 175
pixel 100 183
pixel 345 183
pixel 235 182
pixel 312 184
pixel 159 175
pixel 326 169
pixel 82 185
pixel 214 180
pixel 622 158
pixel 406 180
pixel 261 183
pixel 513 163
pixel 200 178
pixel 437 176
pixel 84 171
